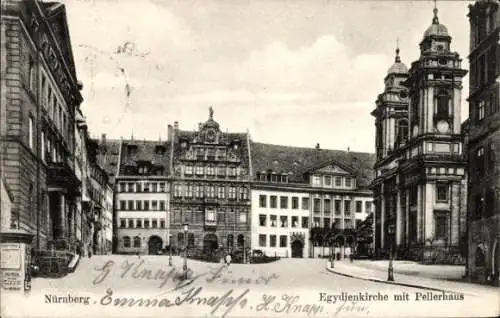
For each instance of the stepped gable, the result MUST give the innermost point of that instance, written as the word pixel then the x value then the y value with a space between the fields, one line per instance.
pixel 137 152
pixel 297 161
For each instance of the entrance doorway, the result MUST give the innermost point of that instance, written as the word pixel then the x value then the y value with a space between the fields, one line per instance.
pixel 210 244
pixel 297 249
pixel 155 244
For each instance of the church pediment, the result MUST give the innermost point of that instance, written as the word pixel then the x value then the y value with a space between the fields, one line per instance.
pixel 331 168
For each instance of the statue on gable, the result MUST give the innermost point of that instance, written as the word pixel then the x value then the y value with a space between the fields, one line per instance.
pixel 210 112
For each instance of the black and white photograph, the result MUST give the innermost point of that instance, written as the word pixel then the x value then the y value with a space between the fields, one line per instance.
pixel 260 158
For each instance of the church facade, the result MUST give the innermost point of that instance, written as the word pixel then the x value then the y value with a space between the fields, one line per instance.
pixel 420 186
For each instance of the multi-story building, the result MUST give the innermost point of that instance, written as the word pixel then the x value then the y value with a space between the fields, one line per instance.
pixel 419 187
pixel 210 192
pixel 5 206
pixel 484 143
pixel 295 190
pixel 40 94
pixel 142 197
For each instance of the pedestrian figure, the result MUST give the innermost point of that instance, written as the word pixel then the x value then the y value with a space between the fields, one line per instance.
pixel 228 260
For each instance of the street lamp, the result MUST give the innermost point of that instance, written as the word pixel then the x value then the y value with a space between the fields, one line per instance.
pixel 390 270
pixel 184 267
pixel 170 250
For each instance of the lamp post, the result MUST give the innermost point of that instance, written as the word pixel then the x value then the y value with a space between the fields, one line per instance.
pixel 184 267
pixel 170 250
pixel 390 270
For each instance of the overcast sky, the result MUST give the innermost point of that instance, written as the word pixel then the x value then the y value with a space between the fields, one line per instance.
pixel 291 72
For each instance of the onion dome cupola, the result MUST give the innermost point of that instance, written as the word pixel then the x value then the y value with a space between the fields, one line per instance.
pixel 396 74
pixel 436 37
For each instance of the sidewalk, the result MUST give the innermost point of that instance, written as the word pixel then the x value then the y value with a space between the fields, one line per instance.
pixel 410 274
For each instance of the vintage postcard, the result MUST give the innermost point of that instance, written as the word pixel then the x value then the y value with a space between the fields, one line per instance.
pixel 189 158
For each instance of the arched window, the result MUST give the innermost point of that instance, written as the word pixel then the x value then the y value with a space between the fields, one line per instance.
pixel 191 240
pixel 442 105
pixel 137 241
pixel 180 240
pixel 230 240
pixel 402 131
pixel 126 241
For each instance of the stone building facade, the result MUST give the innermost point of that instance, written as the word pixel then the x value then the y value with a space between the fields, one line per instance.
pixel 40 93
pixel 420 186
pixel 484 143
pixel 210 188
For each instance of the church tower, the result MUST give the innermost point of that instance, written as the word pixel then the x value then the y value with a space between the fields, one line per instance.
pixel 435 162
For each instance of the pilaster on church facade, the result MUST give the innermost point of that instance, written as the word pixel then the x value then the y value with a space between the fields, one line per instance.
pixel 420 184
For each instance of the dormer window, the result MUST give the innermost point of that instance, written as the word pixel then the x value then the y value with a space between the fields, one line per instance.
pixel 143 169
pixel 274 177
pixel 159 150
pixel 316 180
pixel 183 144
pixel 284 179
pixel 262 176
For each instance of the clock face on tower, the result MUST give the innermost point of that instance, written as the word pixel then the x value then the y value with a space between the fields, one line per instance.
pixel 442 126
pixel 211 135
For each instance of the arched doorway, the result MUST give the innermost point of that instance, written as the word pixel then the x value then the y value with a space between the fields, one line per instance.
pixel 155 244
pixel 297 249
pixel 210 243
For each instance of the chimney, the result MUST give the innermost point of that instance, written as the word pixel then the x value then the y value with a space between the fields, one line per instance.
pixel 176 126
pixel 200 125
pixel 317 146
pixel 103 139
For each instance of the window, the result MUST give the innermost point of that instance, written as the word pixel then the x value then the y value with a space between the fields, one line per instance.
pixel 368 206
pixel 316 205
pixel 480 110
pixel 316 222
pixel 138 204
pixel 305 222
pixel 162 187
pixel 162 224
pixel 262 240
pixel 283 221
pixel 327 206
pixel 316 180
pixel 180 239
pixel 480 161
pixel 162 205
pixel 123 205
pixel 232 193
pixel 190 240
pixel 262 220
pixel 348 182
pixel 198 191
pixel 347 207
pixel 188 170
pixel 154 187
pixel 121 187
pixel 442 107
pixel 130 204
pixel 199 170
pixel 274 220
pixel 441 226
pixel 402 131
pixel 243 193
pixel 154 205
pixel 295 203
pixel 283 202
pixel 138 187
pixel 42 139
pixel 338 206
pixel 154 223
pixel 230 240
pixel 31 133
pixel 272 240
pixel 210 190
pixel 338 181
pixel 328 181
pixel 138 223
pixel 262 201
pixel 243 217
pixel 442 192
pixel 146 205
pixel 273 202
pixel 295 221
pixel 305 203
pixel 130 187
pixel 489 208
pixel 32 78
pixel 189 190
pixel 126 241
pixel 123 223
pixel 130 223
pixel 221 192
pixel 283 240
pixel 326 222
pixel 210 171
pixel 210 216
pixel 359 206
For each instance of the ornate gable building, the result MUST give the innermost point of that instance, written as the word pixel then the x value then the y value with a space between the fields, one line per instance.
pixel 420 171
pixel 210 189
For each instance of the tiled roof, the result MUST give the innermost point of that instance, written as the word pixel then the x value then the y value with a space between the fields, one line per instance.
pixel 296 161
pixel 146 151
pixel 108 155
